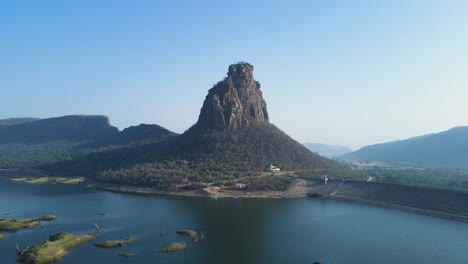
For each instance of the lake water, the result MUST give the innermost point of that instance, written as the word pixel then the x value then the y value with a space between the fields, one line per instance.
pixel 237 230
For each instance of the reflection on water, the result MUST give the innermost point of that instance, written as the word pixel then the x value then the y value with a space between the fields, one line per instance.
pixel 237 230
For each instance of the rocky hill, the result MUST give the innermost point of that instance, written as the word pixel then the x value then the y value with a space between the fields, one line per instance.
pixel 233 129
pixel 233 103
pixel 232 139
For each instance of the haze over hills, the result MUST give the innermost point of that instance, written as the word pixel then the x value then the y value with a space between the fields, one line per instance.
pixel 326 150
pixel 445 149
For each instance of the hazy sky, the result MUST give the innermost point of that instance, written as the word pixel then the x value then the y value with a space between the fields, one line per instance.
pixel 340 72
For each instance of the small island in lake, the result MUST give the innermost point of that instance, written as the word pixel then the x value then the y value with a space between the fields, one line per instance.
pixel 187 232
pixel 115 243
pixel 11 224
pixel 52 250
pixel 173 247
pixel 126 255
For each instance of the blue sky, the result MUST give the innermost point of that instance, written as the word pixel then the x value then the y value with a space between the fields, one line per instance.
pixel 340 72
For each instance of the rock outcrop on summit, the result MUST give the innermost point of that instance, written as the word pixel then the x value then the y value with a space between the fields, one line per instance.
pixel 233 103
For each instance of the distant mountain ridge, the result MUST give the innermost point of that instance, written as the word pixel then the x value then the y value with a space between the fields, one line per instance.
pixel 59 139
pixel 444 149
pixel 326 150
pixel 14 121
pixel 72 127
pixel 140 134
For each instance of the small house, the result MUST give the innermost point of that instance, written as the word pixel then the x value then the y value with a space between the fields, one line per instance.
pixel 324 179
pixel 240 185
pixel 274 168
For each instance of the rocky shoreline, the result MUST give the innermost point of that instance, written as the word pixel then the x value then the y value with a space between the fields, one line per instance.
pixel 426 201
pixel 198 193
pixel 304 188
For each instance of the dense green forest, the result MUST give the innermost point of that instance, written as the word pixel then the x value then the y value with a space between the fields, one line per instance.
pixel 24 155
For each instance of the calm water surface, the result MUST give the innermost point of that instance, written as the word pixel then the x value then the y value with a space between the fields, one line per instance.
pixel 237 230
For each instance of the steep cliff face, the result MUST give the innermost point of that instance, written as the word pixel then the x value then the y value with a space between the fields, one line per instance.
pixel 233 103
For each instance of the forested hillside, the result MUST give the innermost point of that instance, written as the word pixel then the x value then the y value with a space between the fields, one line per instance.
pixel 445 149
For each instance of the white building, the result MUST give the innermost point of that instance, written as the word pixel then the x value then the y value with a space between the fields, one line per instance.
pixel 240 185
pixel 274 168
pixel 324 178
